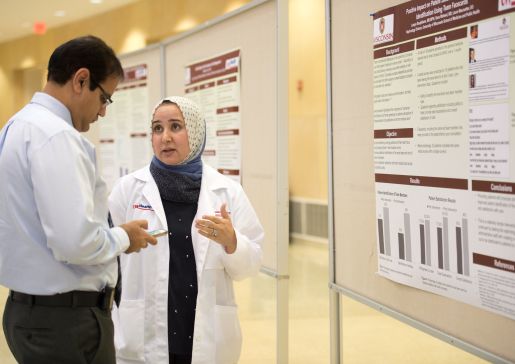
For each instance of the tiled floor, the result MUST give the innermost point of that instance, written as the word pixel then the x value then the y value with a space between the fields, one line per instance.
pixel 5 354
pixel 366 332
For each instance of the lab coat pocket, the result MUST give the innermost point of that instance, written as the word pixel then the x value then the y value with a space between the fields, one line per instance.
pixel 228 334
pixel 129 329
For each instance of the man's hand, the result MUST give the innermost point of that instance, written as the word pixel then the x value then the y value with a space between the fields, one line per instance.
pixel 138 236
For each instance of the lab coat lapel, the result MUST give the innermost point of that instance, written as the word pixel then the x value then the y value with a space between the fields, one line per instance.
pixel 151 193
pixel 201 243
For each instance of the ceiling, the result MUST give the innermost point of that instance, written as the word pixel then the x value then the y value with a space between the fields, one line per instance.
pixel 18 16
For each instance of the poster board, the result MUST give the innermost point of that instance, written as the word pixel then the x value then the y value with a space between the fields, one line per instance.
pixel 355 258
pixel 252 31
pixel 122 137
pixel 214 84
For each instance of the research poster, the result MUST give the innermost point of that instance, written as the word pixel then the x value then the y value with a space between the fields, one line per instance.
pixel 444 148
pixel 124 133
pixel 214 84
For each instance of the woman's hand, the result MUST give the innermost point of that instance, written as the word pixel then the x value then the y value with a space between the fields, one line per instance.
pixel 218 229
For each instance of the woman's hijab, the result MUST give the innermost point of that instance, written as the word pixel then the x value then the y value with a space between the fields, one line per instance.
pixel 196 128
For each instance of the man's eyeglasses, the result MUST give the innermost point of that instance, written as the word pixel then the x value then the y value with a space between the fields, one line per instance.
pixel 105 98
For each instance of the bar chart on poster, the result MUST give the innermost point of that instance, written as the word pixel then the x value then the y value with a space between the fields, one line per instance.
pixel 427 244
pixel 422 238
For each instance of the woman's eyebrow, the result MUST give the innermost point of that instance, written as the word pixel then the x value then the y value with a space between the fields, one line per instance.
pixel 157 121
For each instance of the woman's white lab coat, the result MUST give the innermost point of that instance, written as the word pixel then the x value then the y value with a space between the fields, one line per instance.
pixel 141 323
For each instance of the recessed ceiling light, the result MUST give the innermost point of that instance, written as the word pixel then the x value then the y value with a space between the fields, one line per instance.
pixel 60 13
pixel 96 1
pixel 185 24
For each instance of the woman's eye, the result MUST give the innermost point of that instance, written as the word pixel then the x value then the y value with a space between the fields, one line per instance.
pixel 176 126
pixel 157 129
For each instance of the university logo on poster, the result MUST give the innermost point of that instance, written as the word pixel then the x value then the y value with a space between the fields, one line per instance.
pixel 383 29
pixel 506 4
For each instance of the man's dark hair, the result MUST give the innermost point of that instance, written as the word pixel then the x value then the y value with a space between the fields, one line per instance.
pixel 89 52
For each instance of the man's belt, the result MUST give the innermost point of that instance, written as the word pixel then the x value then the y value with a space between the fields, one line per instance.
pixel 103 299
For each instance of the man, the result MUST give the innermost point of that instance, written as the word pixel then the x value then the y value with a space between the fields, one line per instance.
pixel 472 79
pixel 472 55
pixel 57 253
pixel 474 30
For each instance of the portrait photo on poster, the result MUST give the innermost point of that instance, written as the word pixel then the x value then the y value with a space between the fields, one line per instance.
pixel 472 55
pixel 472 80
pixel 474 31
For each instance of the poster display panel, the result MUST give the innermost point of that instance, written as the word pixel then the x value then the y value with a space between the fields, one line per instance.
pixel 214 84
pixel 444 148
pixel 124 134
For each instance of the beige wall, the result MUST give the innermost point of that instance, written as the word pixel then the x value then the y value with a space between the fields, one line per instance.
pixel 307 132
pixel 23 62
pixel 125 29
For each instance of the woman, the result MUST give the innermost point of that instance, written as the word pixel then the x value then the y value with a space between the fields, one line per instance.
pixel 177 301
